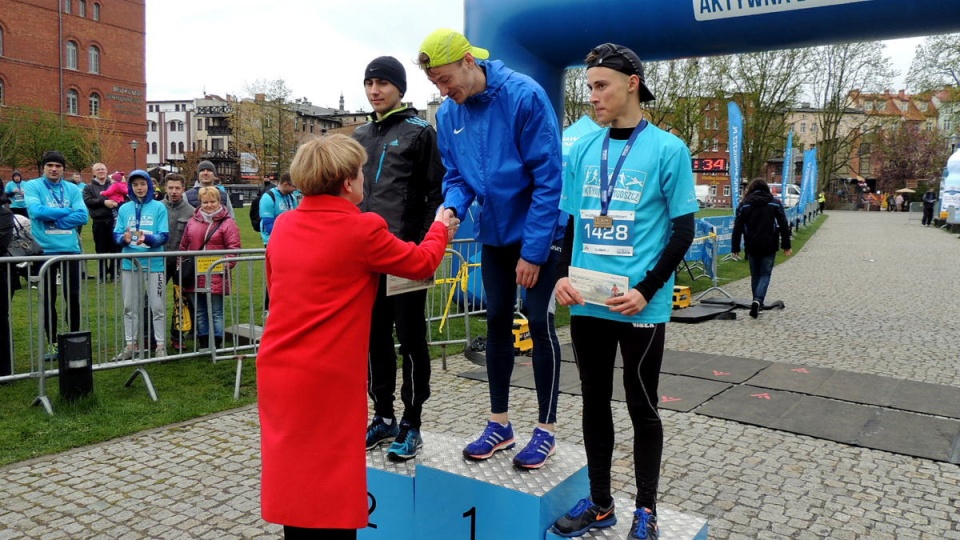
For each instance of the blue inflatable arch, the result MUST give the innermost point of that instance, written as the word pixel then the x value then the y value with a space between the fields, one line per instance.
pixel 543 37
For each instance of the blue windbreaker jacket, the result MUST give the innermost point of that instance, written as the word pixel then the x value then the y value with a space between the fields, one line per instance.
pixel 502 148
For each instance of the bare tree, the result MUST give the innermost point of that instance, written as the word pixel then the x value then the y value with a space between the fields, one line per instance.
pixel 841 71
pixel 263 124
pixel 936 63
pixel 576 96
pixel 685 89
pixel 764 85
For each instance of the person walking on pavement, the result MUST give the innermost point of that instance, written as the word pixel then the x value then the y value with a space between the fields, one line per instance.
pixel 500 143
pixel 762 225
pixel 929 201
pixel 403 181
pixel 632 218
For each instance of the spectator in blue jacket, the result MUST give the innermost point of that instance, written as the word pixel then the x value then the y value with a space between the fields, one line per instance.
pixel 276 201
pixel 500 143
pixel 142 227
pixel 56 209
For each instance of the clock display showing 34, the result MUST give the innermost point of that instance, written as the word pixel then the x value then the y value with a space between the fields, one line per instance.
pixel 710 164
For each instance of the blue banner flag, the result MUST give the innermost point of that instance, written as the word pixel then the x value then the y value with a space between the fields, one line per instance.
pixel 735 144
pixel 809 176
pixel 787 167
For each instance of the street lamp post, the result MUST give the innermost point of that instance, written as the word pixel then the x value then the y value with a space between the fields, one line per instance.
pixel 134 144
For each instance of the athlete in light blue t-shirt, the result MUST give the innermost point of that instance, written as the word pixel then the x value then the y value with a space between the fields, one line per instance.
pixel 142 227
pixel 629 190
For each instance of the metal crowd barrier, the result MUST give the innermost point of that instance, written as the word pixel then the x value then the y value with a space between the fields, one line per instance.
pixel 30 353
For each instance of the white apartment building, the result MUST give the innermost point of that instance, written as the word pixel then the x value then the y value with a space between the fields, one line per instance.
pixel 169 131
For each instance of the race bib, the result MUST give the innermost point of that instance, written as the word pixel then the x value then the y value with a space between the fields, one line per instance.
pixel 616 240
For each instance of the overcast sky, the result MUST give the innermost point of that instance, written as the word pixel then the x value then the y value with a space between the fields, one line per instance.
pixel 319 47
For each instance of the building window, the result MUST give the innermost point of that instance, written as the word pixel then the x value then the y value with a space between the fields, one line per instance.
pixel 94 104
pixel 153 148
pixel 179 126
pixel 726 190
pixel 803 127
pixel 73 100
pixel 93 54
pixel 173 148
pixel 1 41
pixel 82 11
pixel 865 166
pixel 216 145
pixel 153 126
pixel 1 92
pixel 96 11
pixel 172 126
pixel 199 124
pixel 713 190
pixel 947 125
pixel 71 55
pixel 716 145
pixel 67 6
pixel 180 148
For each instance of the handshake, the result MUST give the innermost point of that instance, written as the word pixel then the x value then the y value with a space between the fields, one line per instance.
pixel 448 218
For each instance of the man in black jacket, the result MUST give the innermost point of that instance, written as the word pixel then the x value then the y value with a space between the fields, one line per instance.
pixel 103 212
pixel 403 178
pixel 762 224
pixel 929 200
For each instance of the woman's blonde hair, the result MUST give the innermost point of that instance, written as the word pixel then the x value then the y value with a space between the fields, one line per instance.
pixel 323 164
pixel 208 190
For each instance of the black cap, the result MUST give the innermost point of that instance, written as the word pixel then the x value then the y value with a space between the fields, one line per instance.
pixel 622 59
pixel 387 68
pixel 53 156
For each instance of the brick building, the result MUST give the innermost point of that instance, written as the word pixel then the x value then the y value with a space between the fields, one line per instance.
pixel 85 62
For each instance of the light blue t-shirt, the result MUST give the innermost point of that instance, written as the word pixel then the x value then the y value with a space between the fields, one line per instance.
pixel 152 221
pixel 56 209
pixel 15 192
pixel 272 204
pixel 654 186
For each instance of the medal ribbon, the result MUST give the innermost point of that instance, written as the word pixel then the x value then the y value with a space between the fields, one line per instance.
pixel 607 186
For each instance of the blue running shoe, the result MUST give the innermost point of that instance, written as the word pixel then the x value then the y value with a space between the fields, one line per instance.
pixel 494 438
pixel 378 431
pixel 585 516
pixel 407 444
pixel 541 446
pixel 644 525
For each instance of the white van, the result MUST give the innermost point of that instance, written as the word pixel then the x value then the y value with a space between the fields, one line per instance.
pixel 703 193
pixel 793 194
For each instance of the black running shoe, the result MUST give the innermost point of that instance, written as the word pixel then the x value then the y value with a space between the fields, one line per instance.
pixel 644 525
pixel 755 309
pixel 585 516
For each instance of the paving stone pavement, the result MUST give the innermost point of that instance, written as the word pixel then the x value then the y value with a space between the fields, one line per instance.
pixel 869 293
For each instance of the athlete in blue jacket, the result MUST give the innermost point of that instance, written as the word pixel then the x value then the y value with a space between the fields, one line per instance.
pixel 500 142
pixel 142 227
pixel 56 209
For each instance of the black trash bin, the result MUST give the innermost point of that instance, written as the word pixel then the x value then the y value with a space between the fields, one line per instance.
pixel 75 357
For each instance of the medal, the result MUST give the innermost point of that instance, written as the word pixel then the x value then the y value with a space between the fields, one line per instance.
pixel 602 222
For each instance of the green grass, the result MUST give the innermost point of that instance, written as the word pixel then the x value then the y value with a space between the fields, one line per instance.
pixel 187 388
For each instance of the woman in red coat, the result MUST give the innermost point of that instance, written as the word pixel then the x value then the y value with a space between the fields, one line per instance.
pixel 211 228
pixel 323 264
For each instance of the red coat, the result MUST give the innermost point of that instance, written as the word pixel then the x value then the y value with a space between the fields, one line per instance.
pixel 323 264
pixel 227 236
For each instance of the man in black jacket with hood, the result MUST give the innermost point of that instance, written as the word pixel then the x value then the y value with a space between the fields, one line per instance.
pixel 403 180
pixel 762 224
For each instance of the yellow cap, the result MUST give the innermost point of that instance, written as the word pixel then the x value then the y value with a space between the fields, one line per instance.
pixel 445 46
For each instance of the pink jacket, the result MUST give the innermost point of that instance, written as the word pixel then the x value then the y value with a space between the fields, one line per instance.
pixel 226 236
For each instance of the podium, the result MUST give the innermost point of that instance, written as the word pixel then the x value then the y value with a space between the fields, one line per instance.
pixel 440 495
